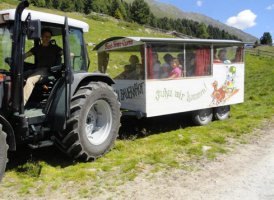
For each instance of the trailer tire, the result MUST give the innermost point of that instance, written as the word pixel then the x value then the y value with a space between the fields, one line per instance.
pixel 202 117
pixel 222 112
pixel 3 152
pixel 94 122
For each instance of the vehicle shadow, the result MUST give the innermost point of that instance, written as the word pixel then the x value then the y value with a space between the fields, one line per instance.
pixel 50 155
pixel 131 128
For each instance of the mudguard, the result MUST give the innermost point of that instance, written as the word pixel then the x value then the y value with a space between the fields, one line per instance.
pixel 83 78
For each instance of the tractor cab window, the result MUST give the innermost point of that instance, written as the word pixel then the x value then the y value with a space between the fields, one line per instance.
pixel 5 47
pixel 77 50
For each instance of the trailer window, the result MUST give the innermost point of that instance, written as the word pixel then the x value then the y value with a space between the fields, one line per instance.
pixel 161 58
pixel 123 64
pixel 227 55
pixel 198 60
pixel 192 60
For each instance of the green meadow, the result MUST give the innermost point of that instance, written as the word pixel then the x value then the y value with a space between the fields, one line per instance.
pixel 146 146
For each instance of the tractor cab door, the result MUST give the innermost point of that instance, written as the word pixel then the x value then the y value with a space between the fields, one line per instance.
pixel 58 106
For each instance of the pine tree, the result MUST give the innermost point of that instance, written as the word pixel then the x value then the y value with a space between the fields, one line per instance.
pixel 78 6
pixel 56 4
pixel 140 11
pixel 66 6
pixel 87 6
pixel 202 31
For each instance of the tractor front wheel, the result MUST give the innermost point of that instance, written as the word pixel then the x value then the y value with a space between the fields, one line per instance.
pixel 3 152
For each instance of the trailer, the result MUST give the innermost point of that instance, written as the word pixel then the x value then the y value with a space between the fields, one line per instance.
pixel 211 75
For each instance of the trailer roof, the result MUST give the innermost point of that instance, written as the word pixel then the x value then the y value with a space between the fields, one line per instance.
pixel 46 17
pixel 122 42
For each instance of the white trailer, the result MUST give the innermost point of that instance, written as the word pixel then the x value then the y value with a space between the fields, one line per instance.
pixel 212 75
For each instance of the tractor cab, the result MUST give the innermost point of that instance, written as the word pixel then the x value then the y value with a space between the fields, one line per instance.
pixel 77 55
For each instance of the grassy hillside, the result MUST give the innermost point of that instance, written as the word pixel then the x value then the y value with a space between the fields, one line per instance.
pixel 147 145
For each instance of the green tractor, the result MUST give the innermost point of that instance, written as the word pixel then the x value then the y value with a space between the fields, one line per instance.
pixel 71 108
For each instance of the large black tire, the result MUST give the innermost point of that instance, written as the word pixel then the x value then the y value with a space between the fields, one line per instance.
pixel 222 112
pixel 202 117
pixel 3 152
pixel 94 122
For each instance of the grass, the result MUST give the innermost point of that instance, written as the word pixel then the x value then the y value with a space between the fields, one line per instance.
pixel 48 172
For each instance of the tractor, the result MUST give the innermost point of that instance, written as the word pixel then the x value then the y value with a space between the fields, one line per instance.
pixel 71 108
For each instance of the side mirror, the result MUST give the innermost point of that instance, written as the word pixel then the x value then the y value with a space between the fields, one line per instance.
pixel 34 29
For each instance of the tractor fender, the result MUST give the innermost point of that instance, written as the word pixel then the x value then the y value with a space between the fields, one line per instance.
pixel 7 128
pixel 84 78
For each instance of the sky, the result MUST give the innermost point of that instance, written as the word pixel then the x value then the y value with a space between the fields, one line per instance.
pixel 251 16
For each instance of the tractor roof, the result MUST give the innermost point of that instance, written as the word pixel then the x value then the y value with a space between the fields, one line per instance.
pixel 44 17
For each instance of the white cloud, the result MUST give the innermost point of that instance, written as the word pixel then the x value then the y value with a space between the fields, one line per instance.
pixel 199 3
pixel 270 7
pixel 244 19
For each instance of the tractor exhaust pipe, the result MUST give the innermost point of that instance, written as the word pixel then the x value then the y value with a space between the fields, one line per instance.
pixel 17 59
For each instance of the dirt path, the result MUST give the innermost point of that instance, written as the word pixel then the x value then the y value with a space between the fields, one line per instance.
pixel 247 173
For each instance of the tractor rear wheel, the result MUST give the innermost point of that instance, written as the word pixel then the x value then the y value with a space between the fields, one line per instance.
pixel 94 122
pixel 3 152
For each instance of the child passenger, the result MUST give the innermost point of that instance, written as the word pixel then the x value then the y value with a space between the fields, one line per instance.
pixel 176 71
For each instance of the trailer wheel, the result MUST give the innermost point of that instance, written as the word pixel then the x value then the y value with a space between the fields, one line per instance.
pixel 94 123
pixel 222 112
pixel 3 152
pixel 202 117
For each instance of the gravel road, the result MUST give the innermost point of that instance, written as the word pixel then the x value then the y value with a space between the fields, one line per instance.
pixel 245 174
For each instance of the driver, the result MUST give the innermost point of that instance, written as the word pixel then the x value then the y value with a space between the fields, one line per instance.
pixel 46 55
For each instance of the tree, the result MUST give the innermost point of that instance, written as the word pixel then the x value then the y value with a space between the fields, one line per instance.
pixel 55 4
pixel 49 4
pixel 114 7
pixel 66 6
pixel 202 31
pixel 100 6
pixel 78 5
pixel 266 39
pixel 118 14
pixel 140 12
pixel 87 6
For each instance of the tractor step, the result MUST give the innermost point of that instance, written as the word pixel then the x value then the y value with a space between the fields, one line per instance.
pixel 41 144
pixel 35 116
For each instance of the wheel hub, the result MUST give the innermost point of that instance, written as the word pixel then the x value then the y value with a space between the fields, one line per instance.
pixel 98 122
